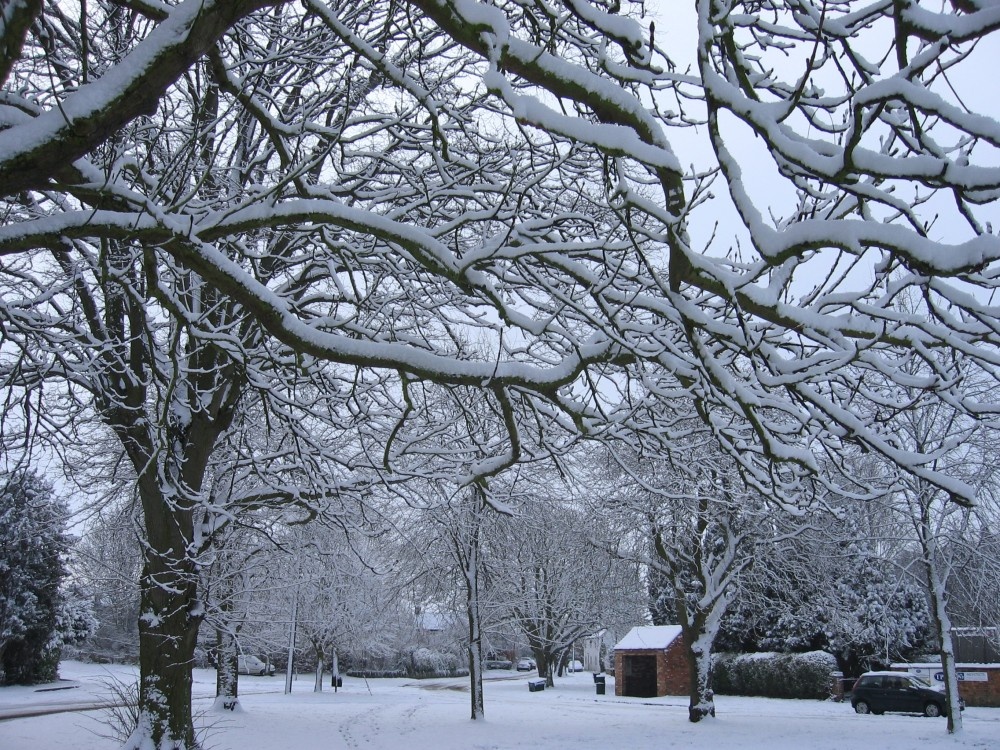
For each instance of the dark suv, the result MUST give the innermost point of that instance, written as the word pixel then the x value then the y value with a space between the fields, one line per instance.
pixel 878 692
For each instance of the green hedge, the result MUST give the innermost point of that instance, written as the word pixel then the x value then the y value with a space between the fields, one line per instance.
pixel 774 675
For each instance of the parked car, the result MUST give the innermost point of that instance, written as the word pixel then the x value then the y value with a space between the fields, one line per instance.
pixel 248 664
pixel 878 692
pixel 498 664
pixel 575 666
pixel 526 665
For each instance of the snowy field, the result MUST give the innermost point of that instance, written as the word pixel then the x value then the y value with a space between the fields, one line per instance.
pixel 410 715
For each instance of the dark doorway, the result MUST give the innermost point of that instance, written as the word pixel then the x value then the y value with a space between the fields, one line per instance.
pixel 640 676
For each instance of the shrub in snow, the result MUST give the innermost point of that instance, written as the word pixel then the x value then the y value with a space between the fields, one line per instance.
pixel 373 673
pixel 425 662
pixel 774 675
pixel 119 715
pixel 854 605
pixel 34 619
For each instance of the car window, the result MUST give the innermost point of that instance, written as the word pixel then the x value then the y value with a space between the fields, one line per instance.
pixel 872 681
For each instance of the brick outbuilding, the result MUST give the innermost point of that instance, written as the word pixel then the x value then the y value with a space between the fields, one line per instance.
pixel 650 661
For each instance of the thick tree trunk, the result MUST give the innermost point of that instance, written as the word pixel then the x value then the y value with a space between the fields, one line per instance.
pixel 171 610
pixel 320 666
pixel 544 665
pixel 169 435
pixel 226 670
pixel 168 631
pixel 699 658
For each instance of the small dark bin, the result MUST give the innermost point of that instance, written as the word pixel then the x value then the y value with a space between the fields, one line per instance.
pixel 600 682
pixel 535 686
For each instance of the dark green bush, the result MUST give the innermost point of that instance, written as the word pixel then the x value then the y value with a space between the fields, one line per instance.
pixel 774 675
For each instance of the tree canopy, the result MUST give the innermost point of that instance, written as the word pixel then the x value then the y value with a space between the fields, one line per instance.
pixel 374 184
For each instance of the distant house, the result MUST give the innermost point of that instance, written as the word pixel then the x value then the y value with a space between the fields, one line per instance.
pixel 650 661
pixel 597 649
pixel 430 621
pixel 592 655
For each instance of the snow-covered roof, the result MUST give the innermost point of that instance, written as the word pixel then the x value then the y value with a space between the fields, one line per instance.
pixel 648 637
pixel 432 621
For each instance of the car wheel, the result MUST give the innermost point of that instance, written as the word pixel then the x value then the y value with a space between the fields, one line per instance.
pixel 933 710
pixel 862 707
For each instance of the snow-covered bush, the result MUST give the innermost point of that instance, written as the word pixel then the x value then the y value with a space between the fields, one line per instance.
pixel 426 662
pixel 774 675
pixel 374 673
pixel 33 545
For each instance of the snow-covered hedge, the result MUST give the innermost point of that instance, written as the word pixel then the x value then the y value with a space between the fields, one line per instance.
pixel 425 662
pixel 374 673
pixel 774 675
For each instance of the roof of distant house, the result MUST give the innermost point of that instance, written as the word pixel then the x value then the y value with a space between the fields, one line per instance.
pixel 432 621
pixel 648 637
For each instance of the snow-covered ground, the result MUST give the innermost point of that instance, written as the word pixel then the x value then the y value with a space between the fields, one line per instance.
pixel 409 715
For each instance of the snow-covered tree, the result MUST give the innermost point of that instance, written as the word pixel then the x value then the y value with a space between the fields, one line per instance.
pixel 234 580
pixel 75 619
pixel 186 185
pixel 595 182
pixel 937 520
pixel 107 562
pixel 449 457
pixel 551 578
pixel 828 587
pixel 178 402
pixel 34 614
pixel 345 597
pixel 975 584
pixel 698 528
pixel 936 524
pixel 456 523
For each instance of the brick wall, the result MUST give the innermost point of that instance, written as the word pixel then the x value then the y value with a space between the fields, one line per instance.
pixel 976 693
pixel 675 679
pixel 671 669
pixel 982 693
pixel 619 673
